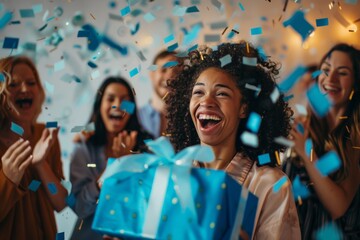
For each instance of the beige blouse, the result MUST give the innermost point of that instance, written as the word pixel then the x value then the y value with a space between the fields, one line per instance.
pixel 276 216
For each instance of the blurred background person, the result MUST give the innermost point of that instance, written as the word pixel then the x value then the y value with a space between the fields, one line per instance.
pixel 152 116
pixel 334 198
pixel 117 133
pixel 30 166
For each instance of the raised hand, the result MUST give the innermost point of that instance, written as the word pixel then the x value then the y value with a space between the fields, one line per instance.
pixel 123 143
pixel 44 144
pixel 83 134
pixel 16 159
pixel 298 137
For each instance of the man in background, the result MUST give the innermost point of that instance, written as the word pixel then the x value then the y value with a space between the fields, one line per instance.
pixel 152 115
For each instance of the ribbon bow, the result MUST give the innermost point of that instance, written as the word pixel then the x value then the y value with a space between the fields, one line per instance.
pixel 166 161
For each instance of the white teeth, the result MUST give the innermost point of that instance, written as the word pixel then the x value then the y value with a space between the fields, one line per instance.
pixel 209 117
pixel 116 114
pixel 329 88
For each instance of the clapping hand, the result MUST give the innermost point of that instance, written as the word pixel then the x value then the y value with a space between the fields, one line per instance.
pixel 299 137
pixel 123 143
pixel 43 146
pixel 16 159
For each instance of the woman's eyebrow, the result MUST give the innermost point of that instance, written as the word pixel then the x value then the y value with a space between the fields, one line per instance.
pixel 222 86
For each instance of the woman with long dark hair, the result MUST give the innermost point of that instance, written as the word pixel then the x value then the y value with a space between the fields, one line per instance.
pixel 335 198
pixel 117 133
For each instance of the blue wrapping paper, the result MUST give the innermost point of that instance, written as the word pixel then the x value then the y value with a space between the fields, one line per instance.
pixel 171 201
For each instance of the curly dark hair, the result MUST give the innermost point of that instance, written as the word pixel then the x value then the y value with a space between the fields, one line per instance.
pixel 275 116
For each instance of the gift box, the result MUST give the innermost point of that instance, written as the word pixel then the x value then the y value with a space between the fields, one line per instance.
pixel 160 196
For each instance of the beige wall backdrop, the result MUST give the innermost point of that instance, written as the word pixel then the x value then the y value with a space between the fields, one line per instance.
pixel 60 55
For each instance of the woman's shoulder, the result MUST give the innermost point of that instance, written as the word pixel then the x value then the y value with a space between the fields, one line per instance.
pixel 270 174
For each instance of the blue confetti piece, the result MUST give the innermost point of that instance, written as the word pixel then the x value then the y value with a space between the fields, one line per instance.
pixel 264 19
pixel 34 185
pixel 308 146
pixel 27 13
pixel 250 61
pixel 232 33
pixel 279 184
pixel 249 139
pixel 179 11
pixel 173 47
pixel 193 48
pixel 262 53
pixel 299 189
pixel 217 4
pixel 127 106
pixel 37 8
pixel 17 129
pixel 328 163
pixel 42 28
pixel 112 4
pixel 125 11
pixel 241 7
pixel 149 17
pixel 15 22
pixel 11 43
pixel 50 19
pixel 170 64
pixel 91 64
pixel 287 98
pixel 51 125
pixel 191 35
pixel 133 72
pixel 264 159
pixel 93 41
pixel 318 101
pixel 316 74
pixel 254 122
pixel 290 81
pixel 256 31
pixel 218 25
pixel 225 60
pixel 60 236
pixel 93 37
pixel 321 22
pixel 212 38
pixel 329 231
pixel 2 77
pixel 52 188
pixel 192 9
pixel 59 65
pixel 136 12
pixel 122 50
pixel 298 22
pixel 300 128
pixel 169 38
pixel 5 19
pixel 70 200
pixel 136 29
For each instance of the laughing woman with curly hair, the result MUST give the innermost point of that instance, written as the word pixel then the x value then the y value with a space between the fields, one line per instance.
pixel 210 103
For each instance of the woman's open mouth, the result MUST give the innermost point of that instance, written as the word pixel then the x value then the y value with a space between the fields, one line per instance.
pixel 24 103
pixel 209 122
